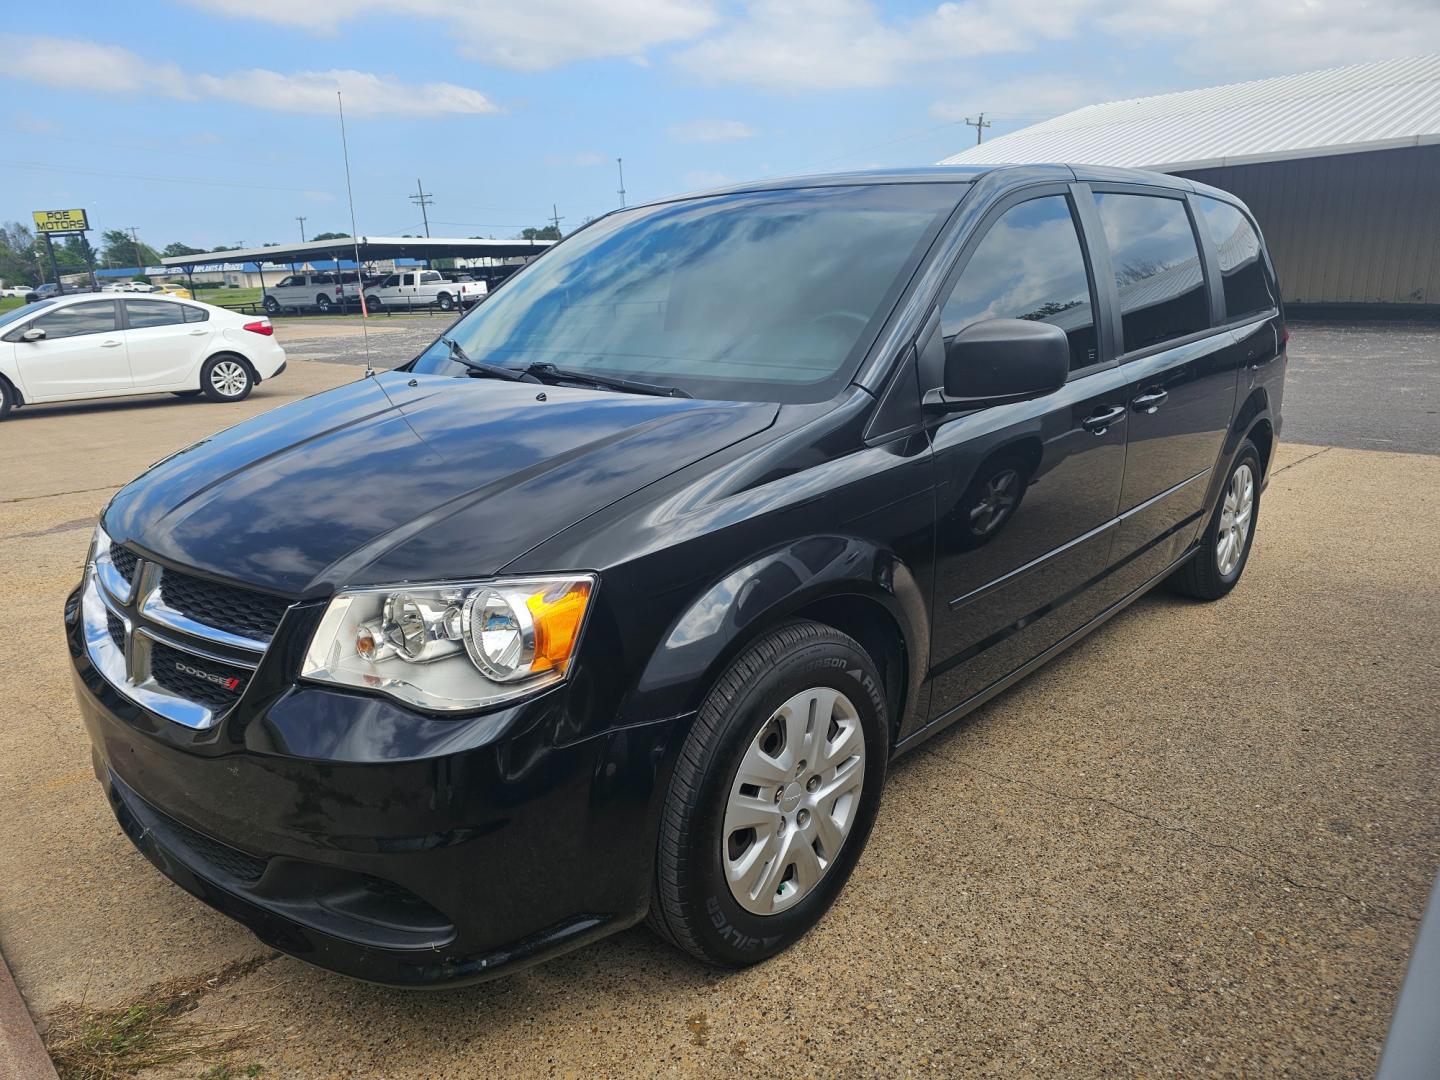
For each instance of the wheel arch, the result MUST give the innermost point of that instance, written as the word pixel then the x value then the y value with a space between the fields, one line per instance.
pixel 233 354
pixel 849 583
pixel 17 396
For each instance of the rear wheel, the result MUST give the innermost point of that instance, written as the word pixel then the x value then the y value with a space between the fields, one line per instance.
pixel 1225 547
pixel 772 798
pixel 446 301
pixel 323 303
pixel 226 378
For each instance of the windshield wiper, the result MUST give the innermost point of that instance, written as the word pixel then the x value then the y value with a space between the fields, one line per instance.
pixel 549 373
pixel 480 367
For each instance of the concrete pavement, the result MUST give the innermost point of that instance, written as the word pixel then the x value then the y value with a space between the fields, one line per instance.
pixel 1197 843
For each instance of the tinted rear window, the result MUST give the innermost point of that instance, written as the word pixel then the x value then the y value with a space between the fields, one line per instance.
pixel 1157 267
pixel 1249 288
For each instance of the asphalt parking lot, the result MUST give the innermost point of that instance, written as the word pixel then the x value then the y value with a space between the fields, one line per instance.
pixel 1197 843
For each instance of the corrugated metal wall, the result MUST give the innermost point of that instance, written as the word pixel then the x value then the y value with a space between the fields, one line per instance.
pixel 1348 229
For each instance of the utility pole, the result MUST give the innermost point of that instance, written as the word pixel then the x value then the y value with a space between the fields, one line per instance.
pixel 301 220
pixel 979 124
pixel 620 162
pixel 135 237
pixel 424 198
pixel 555 219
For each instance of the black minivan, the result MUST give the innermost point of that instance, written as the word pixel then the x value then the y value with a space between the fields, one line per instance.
pixel 619 599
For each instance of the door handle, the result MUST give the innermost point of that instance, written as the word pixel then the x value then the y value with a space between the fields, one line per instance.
pixel 1099 423
pixel 198 333
pixel 109 344
pixel 1148 403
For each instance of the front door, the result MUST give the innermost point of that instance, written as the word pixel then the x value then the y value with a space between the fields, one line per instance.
pixel 81 355
pixel 1183 370
pixel 1027 493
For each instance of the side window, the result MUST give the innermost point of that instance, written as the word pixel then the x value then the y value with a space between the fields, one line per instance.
pixel 78 319
pixel 1249 288
pixel 322 279
pixel 144 313
pixel 407 279
pixel 1157 268
pixel 289 281
pixel 194 314
pixel 431 276
pixel 1029 266
pixel 390 282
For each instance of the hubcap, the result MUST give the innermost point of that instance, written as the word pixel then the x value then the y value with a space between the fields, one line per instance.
pixel 1235 517
pixel 996 502
pixel 228 378
pixel 793 800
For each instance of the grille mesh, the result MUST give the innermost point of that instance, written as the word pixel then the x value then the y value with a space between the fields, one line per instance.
pixel 124 562
pixel 165 669
pixel 223 857
pixel 116 628
pixel 225 607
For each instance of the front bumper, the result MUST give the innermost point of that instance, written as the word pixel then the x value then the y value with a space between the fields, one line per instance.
pixel 352 833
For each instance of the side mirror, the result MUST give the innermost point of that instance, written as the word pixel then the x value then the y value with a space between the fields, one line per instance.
pixel 1001 360
pixel 35 333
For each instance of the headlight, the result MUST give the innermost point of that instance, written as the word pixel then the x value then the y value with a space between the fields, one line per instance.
pixel 453 646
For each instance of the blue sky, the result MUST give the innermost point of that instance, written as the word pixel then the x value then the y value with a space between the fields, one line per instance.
pixel 212 121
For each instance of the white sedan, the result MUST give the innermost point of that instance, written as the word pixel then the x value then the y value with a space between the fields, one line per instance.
pixel 85 346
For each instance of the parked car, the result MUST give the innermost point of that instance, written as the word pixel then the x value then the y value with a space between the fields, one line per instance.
pixel 17 290
pixel 177 291
pixel 322 292
pixel 421 288
pixel 50 289
pixel 75 347
pixel 619 600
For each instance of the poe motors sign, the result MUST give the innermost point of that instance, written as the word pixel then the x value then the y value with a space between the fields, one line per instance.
pixel 60 221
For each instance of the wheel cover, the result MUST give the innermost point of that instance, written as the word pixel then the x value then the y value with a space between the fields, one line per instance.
pixel 228 378
pixel 1236 513
pixel 793 800
pixel 996 502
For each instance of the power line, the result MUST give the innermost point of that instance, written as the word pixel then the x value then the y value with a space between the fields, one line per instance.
pixel 555 219
pixel 979 124
pixel 424 199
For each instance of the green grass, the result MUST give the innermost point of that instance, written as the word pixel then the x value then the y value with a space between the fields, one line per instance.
pixel 225 297
pixel 9 303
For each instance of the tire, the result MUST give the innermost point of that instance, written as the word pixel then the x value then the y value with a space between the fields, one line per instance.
pixel 7 398
pixel 226 370
pixel 272 306
pixel 323 303
pixel 446 301
pixel 374 304
pixel 1212 571
pixel 693 904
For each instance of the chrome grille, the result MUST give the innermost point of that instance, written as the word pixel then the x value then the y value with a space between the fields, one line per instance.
pixel 181 646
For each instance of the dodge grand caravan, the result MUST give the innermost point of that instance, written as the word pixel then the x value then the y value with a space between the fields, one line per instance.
pixel 619 599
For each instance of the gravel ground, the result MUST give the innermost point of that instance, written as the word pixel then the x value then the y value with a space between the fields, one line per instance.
pixel 1198 843
pixel 393 339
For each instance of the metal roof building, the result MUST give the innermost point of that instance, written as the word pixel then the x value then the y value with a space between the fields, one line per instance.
pixel 1341 168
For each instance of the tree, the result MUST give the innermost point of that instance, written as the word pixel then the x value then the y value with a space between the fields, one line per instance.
pixel 548 232
pixel 331 236
pixel 20 255
pixel 226 247
pixel 79 252
pixel 177 249
pixel 122 249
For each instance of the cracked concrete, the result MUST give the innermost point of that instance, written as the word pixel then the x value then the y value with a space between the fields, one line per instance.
pixel 1194 844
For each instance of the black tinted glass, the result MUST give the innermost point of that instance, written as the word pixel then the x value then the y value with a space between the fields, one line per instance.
pixel 77 319
pixel 1028 266
pixel 143 313
pixel 194 314
pixel 1248 288
pixel 1157 268
pixel 769 296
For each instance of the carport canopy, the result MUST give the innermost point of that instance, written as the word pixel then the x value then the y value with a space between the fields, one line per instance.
pixel 368 248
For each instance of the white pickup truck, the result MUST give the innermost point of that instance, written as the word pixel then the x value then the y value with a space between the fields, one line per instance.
pixel 420 288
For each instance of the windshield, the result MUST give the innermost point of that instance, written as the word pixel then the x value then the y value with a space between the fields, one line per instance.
pixel 23 312
pixel 768 296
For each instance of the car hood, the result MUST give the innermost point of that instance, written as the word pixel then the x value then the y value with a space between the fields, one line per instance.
pixel 400 478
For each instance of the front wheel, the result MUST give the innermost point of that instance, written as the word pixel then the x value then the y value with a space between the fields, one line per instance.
pixel 272 306
pixel 323 303
pixel 773 796
pixel 1225 546
pixel 226 378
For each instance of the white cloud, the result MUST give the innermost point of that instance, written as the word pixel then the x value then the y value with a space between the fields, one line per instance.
pixel 74 64
pixel 711 131
pixel 528 35
pixel 805 45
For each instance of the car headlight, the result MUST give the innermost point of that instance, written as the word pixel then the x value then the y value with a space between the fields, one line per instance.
pixel 453 646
